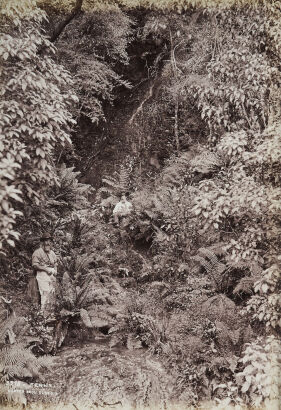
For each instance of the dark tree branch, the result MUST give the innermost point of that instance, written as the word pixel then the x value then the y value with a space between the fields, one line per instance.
pixel 59 29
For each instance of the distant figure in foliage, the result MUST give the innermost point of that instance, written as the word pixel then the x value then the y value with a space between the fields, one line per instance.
pixel 44 261
pixel 121 210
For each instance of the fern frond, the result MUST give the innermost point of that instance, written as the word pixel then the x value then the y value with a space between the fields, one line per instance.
pixel 84 291
pixel 124 179
pixel 240 265
pixel 83 262
pixel 245 285
pixel 18 361
pixel 110 182
pixel 70 191
pixel 85 318
pixel 208 259
pixel 68 290
pixel 207 265
pixel 118 183
pixel 252 266
pixel 206 162
pixel 217 266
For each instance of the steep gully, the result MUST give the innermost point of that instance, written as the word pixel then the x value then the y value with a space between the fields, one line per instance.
pixel 106 145
pixel 97 374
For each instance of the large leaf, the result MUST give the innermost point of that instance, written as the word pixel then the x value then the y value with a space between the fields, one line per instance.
pixel 85 318
pixel 68 290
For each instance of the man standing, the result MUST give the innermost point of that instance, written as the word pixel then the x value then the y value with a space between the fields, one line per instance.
pixel 44 261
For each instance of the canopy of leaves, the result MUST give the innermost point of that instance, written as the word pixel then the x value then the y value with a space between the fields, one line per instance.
pixel 90 47
pixel 34 116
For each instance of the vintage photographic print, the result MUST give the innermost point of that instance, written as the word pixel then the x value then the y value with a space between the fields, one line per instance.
pixel 140 204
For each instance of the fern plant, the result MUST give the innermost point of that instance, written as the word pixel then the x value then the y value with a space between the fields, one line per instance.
pixel 69 193
pixel 71 305
pixel 177 170
pixel 209 261
pixel 77 264
pixel 123 180
pixel 221 308
pixel 17 360
pixel 139 330
pixel 206 162
pixel 114 187
pixel 151 332
pixel 74 298
pixel 245 286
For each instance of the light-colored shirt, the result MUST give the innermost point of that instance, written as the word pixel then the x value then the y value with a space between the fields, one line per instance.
pixel 44 259
pixel 123 208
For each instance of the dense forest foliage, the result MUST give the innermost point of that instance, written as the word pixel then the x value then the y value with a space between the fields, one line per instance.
pixel 177 104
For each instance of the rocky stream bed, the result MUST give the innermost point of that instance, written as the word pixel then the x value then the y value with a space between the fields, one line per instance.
pixel 99 376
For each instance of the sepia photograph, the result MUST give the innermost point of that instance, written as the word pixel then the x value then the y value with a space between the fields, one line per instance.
pixel 140 204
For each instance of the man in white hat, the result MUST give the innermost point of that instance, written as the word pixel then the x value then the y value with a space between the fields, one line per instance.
pixel 44 261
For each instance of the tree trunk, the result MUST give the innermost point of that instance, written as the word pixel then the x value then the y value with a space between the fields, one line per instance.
pixel 59 29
